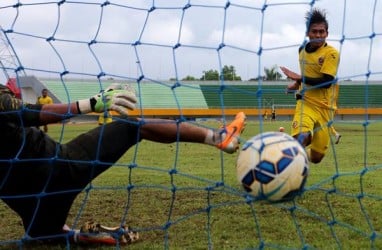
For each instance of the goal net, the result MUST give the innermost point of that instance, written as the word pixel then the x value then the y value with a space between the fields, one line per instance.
pixel 201 61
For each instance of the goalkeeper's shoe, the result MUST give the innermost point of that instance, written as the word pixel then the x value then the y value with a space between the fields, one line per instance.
pixel 95 233
pixel 231 133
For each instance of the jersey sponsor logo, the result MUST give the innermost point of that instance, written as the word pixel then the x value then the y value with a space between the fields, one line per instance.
pixel 321 60
pixel 294 124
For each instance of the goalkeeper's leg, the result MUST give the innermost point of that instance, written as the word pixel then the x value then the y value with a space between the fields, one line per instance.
pixel 61 180
pixel 105 144
pixel 169 131
pixel 108 143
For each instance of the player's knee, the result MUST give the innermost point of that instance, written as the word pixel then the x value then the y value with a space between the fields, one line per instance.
pixel 316 157
pixel 315 160
pixel 303 138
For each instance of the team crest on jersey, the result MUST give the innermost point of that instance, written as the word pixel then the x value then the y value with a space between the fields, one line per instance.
pixel 294 124
pixel 321 60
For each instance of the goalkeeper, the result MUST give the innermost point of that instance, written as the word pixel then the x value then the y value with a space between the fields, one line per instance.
pixel 40 178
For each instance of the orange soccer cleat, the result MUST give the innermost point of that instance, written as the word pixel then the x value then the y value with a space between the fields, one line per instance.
pixel 231 133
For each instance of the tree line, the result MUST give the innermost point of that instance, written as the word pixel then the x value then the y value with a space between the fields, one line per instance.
pixel 229 74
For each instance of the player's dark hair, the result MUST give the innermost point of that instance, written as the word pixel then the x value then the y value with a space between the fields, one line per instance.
pixel 315 16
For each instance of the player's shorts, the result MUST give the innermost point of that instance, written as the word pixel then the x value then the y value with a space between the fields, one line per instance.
pixel 313 120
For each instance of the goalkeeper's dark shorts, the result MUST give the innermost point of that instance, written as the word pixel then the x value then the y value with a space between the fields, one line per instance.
pixel 43 183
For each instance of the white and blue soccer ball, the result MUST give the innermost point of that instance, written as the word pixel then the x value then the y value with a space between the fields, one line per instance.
pixel 273 166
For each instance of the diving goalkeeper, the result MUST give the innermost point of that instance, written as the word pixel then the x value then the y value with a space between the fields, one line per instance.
pixel 40 178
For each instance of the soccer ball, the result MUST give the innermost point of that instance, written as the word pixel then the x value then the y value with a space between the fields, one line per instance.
pixel 273 166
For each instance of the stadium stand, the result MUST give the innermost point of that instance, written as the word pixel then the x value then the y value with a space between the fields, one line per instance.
pixel 30 88
pixel 206 98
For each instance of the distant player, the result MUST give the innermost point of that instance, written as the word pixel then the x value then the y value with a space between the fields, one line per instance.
pixel 104 118
pixel 273 115
pixel 44 99
pixel 265 115
pixel 316 95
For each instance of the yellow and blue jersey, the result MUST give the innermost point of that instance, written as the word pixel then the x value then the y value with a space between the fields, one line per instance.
pixel 322 61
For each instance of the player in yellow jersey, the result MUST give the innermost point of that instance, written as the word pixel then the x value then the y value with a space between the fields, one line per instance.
pixel 316 87
pixel 105 118
pixel 44 99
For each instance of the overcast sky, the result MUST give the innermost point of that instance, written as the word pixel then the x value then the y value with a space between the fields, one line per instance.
pixel 255 34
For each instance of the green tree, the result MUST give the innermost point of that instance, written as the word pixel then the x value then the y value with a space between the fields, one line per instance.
pixel 229 73
pixel 189 78
pixel 272 74
pixel 210 75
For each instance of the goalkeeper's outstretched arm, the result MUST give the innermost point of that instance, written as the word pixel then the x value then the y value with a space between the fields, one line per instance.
pixel 116 98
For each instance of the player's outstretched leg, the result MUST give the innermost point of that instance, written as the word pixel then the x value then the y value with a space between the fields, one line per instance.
pixel 231 133
pixel 169 131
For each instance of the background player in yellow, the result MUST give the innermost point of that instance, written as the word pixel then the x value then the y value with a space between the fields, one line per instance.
pixel 316 92
pixel 105 118
pixel 44 99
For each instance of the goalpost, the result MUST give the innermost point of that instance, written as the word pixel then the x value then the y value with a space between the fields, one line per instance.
pixel 182 196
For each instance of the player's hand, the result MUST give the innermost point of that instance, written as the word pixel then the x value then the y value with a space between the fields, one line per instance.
pixel 117 100
pixel 292 87
pixel 117 97
pixel 290 74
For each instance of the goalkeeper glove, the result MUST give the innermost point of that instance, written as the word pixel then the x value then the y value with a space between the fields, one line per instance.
pixel 117 97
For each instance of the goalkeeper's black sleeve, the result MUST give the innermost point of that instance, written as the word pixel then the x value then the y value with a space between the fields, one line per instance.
pixel 324 82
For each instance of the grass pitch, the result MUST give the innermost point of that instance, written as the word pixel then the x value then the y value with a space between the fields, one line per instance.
pixel 203 206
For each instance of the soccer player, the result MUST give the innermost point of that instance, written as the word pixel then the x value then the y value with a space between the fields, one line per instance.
pixel 104 118
pixel 273 115
pixel 40 178
pixel 44 99
pixel 316 92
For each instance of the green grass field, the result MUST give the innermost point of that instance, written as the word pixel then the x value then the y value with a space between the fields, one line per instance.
pixel 340 208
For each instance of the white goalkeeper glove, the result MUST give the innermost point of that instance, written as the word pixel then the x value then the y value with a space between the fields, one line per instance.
pixel 117 97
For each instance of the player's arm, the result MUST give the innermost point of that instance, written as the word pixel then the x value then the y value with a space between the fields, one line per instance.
pixel 116 99
pixel 292 87
pixel 291 75
pixel 15 111
pixel 325 81
pixel 51 113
